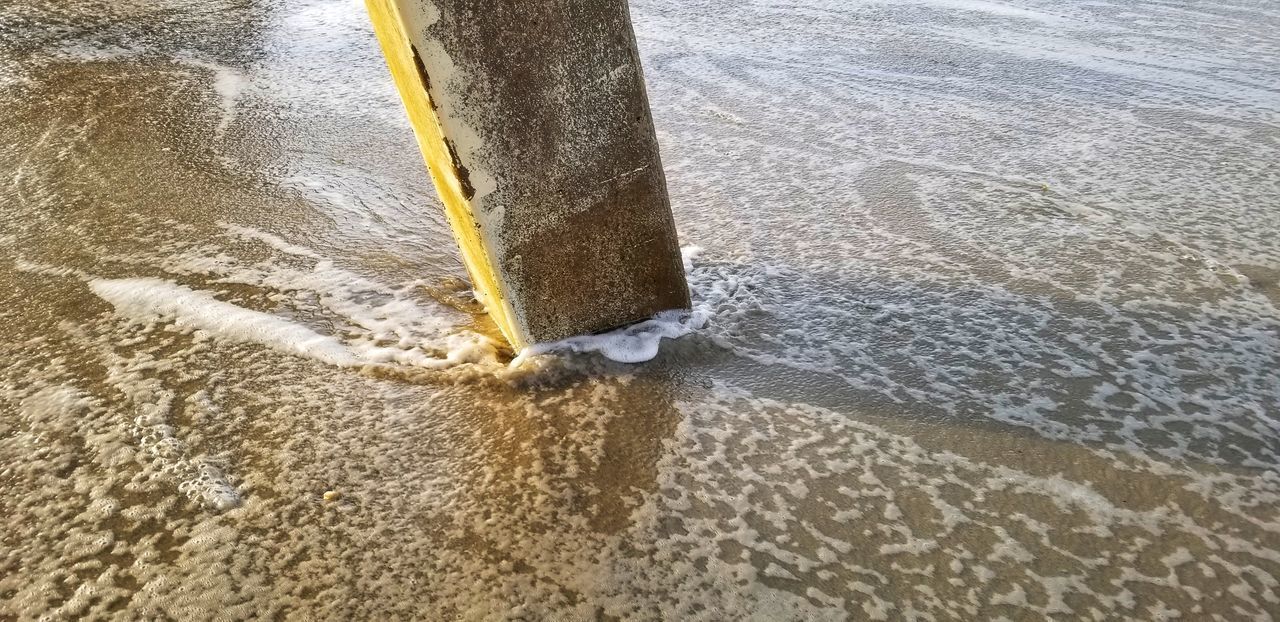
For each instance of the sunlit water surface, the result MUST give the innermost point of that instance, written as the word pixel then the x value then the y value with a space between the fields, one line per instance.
pixel 992 293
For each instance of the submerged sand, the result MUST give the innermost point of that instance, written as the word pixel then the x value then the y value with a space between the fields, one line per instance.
pixel 989 294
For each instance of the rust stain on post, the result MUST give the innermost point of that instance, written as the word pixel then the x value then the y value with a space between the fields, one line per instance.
pixel 533 120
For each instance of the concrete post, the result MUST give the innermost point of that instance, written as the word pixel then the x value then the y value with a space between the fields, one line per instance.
pixel 533 120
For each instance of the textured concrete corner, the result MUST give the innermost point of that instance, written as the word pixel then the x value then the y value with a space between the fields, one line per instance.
pixel 533 120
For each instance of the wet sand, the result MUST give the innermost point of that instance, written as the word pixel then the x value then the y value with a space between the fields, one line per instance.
pixel 992 327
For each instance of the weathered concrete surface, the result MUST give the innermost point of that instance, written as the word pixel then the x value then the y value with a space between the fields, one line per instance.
pixel 533 119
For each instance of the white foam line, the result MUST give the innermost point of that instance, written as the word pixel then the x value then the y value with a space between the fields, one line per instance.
pixel 146 299
pixel 228 84
pixel 274 241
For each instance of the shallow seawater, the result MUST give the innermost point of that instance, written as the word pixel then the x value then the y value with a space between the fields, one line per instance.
pixel 992 331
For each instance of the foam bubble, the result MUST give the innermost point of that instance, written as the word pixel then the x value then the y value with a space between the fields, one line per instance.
pixel 633 344
pixel 638 342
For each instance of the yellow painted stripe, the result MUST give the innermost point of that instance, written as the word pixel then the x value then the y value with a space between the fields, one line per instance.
pixel 395 42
